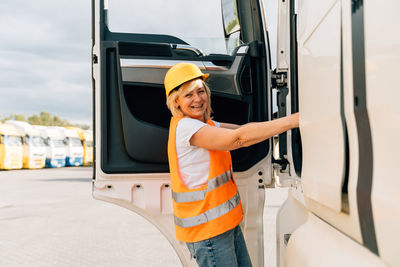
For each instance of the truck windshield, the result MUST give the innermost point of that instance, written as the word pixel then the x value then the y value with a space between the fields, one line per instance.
pixel 57 143
pixel 74 141
pixel 36 141
pixel 198 23
pixel 12 140
pixel 89 143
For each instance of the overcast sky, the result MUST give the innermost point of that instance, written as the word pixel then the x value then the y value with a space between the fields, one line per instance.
pixel 45 57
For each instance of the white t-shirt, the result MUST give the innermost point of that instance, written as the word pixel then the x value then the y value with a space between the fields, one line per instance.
pixel 193 161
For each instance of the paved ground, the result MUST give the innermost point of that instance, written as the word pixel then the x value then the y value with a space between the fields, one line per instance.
pixel 48 218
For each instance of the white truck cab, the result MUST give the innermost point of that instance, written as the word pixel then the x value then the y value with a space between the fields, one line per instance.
pixel 34 148
pixel 337 63
pixel 11 151
pixel 55 147
pixel 73 147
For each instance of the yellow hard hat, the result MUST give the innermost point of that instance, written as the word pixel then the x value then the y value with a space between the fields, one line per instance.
pixel 181 73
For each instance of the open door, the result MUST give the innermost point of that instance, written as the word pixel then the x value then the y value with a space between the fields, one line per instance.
pixel 134 44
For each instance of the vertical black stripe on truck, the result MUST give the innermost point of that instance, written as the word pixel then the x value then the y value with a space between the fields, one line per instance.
pixel 297 150
pixel 345 198
pixel 94 61
pixel 365 150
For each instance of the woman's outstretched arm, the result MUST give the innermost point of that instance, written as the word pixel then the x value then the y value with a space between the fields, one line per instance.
pixel 225 138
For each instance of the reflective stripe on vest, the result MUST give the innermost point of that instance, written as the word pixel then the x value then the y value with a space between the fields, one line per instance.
pixel 209 214
pixel 200 195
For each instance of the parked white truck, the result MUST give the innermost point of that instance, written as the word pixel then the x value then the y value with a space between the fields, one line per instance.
pixel 337 63
pixel 55 148
pixel 34 148
pixel 11 151
pixel 73 147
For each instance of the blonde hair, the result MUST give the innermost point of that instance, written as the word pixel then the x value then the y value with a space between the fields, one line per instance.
pixel 188 87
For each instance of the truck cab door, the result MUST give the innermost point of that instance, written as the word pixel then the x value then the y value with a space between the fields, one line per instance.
pixel 134 44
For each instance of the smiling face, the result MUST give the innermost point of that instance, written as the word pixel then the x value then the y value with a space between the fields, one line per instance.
pixel 193 100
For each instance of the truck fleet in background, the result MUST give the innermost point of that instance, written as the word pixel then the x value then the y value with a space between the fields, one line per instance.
pixel 27 146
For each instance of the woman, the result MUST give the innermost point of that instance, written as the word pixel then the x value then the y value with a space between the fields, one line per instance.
pixel 207 207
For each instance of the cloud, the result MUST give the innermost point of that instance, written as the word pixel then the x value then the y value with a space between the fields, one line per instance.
pixel 45 58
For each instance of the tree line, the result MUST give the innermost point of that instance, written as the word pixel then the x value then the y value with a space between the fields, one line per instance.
pixel 44 118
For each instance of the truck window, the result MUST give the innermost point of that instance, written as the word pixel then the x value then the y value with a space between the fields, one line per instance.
pixel 12 140
pixel 57 143
pixel 75 142
pixel 203 30
pixel 36 141
pixel 89 143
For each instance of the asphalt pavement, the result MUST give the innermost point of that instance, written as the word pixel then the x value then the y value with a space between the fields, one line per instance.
pixel 49 218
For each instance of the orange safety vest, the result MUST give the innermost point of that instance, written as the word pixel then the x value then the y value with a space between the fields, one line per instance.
pixel 211 209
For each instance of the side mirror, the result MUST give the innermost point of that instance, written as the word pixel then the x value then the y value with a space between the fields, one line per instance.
pixel 230 17
pixel 231 23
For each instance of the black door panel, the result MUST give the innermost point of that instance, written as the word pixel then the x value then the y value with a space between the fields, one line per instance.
pixel 114 156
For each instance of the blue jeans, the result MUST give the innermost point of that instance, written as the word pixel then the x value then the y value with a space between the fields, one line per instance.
pixel 227 249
